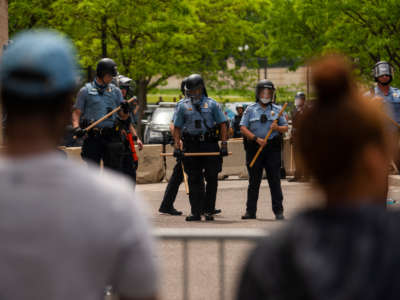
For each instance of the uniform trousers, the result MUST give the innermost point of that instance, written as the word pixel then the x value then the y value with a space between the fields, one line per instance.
pixel 270 160
pixel 202 197
pixel 172 188
pixel 111 150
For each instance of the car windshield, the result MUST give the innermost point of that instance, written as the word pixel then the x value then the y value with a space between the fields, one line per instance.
pixel 163 115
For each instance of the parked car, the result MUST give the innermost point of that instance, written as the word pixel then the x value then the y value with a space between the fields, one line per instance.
pixel 157 128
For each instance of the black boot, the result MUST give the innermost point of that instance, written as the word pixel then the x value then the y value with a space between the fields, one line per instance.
pixel 248 216
pixel 193 218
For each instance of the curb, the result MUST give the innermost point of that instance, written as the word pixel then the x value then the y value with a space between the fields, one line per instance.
pixel 394 180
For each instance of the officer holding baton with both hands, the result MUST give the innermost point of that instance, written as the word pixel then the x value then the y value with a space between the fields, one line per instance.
pixel 257 121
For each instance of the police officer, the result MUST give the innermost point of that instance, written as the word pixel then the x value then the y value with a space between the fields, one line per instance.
pixel 199 123
pixel 95 100
pixel 167 204
pixel 299 105
pixel 256 122
pixel 235 122
pixel 127 90
pixel 383 75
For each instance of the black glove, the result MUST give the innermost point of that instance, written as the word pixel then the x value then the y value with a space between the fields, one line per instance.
pixel 79 132
pixel 224 149
pixel 125 107
pixel 179 154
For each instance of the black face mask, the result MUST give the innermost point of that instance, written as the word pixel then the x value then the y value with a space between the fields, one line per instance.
pixel 385 84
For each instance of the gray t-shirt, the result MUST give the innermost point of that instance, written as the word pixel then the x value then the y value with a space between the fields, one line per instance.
pixel 67 231
pixel 333 254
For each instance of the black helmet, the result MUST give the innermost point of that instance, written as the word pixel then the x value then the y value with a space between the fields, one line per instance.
pixel 183 83
pixel 106 66
pixel 383 68
pixel 264 84
pixel 300 95
pixel 193 82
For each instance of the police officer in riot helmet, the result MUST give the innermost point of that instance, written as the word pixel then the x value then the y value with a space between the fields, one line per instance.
pixel 383 75
pixel 200 123
pixel 96 99
pixel 235 122
pixel 257 120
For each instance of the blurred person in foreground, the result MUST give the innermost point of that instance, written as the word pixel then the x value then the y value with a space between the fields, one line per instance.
pixel 349 248
pixel 67 232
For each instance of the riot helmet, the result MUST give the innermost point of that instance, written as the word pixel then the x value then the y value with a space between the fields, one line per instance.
pixel 195 88
pixel 238 107
pixel 265 84
pixel 300 95
pixel 383 68
pixel 106 66
pixel 126 86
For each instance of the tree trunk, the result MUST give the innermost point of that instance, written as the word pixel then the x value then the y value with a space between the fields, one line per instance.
pixel 141 90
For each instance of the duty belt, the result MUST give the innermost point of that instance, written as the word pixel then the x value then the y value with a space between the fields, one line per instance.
pixel 103 132
pixel 206 137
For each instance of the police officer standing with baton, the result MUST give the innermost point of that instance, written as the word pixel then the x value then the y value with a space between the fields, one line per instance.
pixel 257 121
pixel 199 123
pixel 95 100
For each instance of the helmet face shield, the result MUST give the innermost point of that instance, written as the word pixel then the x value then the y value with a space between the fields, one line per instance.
pixel 382 69
pixel 195 94
pixel 265 95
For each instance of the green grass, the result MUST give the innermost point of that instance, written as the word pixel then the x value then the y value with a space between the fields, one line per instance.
pixel 282 94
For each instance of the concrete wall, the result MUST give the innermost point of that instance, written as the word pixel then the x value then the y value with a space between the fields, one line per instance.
pixel 3 23
pixel 279 76
pixel 152 169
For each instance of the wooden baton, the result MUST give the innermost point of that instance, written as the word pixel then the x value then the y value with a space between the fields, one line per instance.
pixel 196 154
pixel 267 137
pixel 185 179
pixel 107 115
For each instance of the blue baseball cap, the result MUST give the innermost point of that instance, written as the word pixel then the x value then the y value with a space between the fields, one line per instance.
pixel 39 63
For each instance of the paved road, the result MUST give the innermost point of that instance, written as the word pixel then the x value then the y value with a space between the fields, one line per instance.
pixel 203 258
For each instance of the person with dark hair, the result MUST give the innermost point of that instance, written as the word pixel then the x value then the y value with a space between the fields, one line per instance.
pixel 66 230
pixel 95 100
pixel 199 123
pixel 349 247
pixel 257 120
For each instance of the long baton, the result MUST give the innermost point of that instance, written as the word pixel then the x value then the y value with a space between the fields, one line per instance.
pixel 107 115
pixel 196 154
pixel 267 137
pixel 185 179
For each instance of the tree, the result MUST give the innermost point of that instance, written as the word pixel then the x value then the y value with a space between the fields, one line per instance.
pixel 153 40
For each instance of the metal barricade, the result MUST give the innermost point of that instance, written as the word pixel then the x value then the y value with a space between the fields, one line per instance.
pixel 185 235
